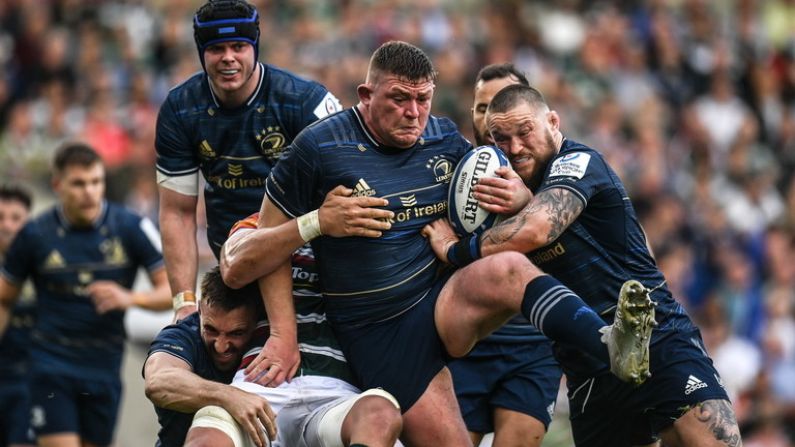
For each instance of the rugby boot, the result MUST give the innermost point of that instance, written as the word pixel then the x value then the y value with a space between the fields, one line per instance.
pixel 628 337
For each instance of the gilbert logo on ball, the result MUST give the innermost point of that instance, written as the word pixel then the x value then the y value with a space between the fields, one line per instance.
pixel 463 211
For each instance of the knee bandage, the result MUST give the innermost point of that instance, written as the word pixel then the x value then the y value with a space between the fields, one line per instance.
pixel 330 426
pixel 220 419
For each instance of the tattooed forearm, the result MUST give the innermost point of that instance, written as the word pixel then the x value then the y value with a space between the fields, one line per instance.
pixel 560 206
pixel 506 230
pixel 719 417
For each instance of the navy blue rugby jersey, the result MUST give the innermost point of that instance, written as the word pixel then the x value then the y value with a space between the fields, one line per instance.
pixel 183 340
pixel 605 246
pixel 235 149
pixel 320 351
pixel 69 335
pixel 367 279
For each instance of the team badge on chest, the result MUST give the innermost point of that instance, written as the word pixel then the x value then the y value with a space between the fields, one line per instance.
pixel 271 142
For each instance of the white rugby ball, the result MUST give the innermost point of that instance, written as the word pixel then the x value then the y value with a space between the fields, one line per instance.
pixel 463 211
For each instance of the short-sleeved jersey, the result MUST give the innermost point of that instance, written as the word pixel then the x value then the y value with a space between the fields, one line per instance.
pixel 235 149
pixel 15 343
pixel 605 246
pixel 365 279
pixel 183 340
pixel 69 335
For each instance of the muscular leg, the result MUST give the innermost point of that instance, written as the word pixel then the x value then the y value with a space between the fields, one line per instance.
pixel 482 296
pixel 710 424
pixel 515 429
pixel 435 420
pixel 205 436
pixel 214 427
pixel 373 421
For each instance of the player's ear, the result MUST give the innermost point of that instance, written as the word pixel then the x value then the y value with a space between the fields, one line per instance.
pixel 55 181
pixel 553 119
pixel 365 93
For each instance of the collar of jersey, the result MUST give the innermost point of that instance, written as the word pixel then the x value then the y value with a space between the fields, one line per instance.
pixel 94 225
pixel 378 146
pixel 564 145
pixel 250 98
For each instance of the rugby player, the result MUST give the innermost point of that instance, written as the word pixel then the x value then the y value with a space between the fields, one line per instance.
pixel 15 430
pixel 231 122
pixel 580 226
pixel 508 383
pixel 83 256
pixel 190 362
pixel 320 407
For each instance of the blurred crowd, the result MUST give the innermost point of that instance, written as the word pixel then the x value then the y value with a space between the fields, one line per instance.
pixel 692 101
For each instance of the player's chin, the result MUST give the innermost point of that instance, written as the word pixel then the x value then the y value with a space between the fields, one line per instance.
pixel 406 139
pixel 226 363
pixel 525 168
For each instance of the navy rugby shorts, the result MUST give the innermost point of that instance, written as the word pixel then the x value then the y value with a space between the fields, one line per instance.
pixel 401 354
pixel 608 412
pixel 522 377
pixel 85 406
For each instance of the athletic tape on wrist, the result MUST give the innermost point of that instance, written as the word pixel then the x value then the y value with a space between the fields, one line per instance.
pixel 309 226
pixel 464 252
pixel 183 299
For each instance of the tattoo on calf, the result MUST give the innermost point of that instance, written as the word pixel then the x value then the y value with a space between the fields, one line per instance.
pixel 719 417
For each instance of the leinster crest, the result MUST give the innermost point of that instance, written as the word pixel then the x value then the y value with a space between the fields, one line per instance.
pixel 271 142
pixel 442 168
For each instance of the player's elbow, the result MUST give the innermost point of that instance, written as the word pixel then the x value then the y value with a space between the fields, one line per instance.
pixel 231 276
pixel 153 388
pixel 234 272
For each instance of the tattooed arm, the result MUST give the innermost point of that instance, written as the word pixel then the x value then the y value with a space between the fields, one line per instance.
pixel 709 423
pixel 542 221
pixel 718 416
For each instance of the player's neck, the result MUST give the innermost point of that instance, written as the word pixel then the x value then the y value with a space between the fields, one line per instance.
pixel 77 221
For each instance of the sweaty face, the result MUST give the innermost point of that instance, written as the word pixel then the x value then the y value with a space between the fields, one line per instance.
pixel 230 66
pixel 484 92
pixel 226 334
pixel 396 110
pixel 526 135
pixel 13 215
pixel 80 190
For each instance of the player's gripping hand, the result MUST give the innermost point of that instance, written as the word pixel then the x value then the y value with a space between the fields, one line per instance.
pixel 342 215
pixel 109 295
pixel 252 413
pixel 506 194
pixel 441 236
pixel 277 362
